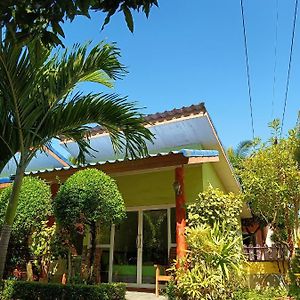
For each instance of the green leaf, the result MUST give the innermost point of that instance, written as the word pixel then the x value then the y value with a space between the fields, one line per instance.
pixel 128 17
pixel 57 28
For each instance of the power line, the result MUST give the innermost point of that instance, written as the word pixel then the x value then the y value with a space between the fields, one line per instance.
pixel 275 55
pixel 247 68
pixel 289 66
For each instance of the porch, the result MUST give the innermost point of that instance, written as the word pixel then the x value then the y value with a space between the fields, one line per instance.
pixel 155 190
pixel 143 296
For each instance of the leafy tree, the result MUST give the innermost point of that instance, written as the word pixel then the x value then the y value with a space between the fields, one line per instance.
pixel 42 19
pixel 33 210
pixel 271 184
pixel 87 198
pixel 38 103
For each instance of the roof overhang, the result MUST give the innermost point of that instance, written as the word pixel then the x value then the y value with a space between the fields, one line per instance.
pixel 125 166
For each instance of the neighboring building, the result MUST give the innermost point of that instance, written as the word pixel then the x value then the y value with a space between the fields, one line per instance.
pixel 185 158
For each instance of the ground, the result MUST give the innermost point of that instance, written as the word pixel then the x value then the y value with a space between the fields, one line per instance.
pixel 143 296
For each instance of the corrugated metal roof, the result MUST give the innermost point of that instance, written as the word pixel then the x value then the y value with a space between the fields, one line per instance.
pixel 184 152
pixel 5 180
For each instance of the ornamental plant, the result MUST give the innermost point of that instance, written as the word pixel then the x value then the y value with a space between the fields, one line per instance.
pixel 212 268
pixel 212 206
pixel 33 211
pixel 88 198
pixel 40 101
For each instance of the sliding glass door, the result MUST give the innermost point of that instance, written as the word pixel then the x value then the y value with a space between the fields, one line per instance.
pixel 125 256
pixel 142 240
pixel 155 242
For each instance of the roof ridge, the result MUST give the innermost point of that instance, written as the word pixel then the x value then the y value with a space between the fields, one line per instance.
pixel 159 117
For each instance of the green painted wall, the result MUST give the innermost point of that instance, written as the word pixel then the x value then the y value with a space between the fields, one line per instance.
pixel 210 177
pixel 156 188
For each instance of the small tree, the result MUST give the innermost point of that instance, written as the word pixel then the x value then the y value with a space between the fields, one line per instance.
pixel 33 210
pixel 88 197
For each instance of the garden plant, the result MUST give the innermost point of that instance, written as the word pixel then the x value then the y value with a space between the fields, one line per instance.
pixel 85 202
pixel 38 103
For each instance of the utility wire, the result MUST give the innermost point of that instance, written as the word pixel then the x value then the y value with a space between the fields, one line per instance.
pixel 247 68
pixel 289 66
pixel 275 60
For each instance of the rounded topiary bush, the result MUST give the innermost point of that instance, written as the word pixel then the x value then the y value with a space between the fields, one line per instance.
pixel 89 196
pixel 34 205
pixel 34 209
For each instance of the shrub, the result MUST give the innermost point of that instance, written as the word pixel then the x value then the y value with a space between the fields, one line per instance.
pixel 33 211
pixel 171 290
pixel 295 269
pixel 269 293
pixel 88 198
pixel 24 290
pixel 213 206
pixel 212 268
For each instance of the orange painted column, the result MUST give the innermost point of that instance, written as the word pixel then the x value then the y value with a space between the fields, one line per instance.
pixel 180 212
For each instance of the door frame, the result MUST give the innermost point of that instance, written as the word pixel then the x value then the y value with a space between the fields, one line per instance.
pixel 140 210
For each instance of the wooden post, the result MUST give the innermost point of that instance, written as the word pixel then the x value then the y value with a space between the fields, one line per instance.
pixel 180 212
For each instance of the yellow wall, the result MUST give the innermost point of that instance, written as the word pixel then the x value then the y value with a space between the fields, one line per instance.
pixel 210 177
pixel 156 188
pixel 266 267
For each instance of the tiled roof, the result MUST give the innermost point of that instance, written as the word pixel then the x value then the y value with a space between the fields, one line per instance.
pixel 184 152
pixel 167 115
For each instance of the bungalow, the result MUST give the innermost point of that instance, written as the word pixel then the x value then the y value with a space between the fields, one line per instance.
pixel 185 158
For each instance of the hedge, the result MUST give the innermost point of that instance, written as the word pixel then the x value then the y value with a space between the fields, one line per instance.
pixel 24 290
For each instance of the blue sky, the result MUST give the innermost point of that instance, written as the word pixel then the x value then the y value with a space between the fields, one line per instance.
pixel 192 51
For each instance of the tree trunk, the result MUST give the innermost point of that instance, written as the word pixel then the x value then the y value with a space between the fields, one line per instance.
pixel 289 232
pixel 29 271
pixel 296 213
pixel 9 218
pixel 69 265
pixel 93 249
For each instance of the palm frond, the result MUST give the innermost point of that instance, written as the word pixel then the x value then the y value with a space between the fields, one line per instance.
pixel 37 104
pixel 119 117
pixel 64 71
pixel 243 148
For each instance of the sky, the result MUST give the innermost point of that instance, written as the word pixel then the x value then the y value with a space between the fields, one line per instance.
pixel 192 51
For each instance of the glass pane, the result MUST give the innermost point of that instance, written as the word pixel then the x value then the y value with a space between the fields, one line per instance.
pixel 173 225
pixel 104 265
pixel 125 250
pixel 104 234
pixel 155 242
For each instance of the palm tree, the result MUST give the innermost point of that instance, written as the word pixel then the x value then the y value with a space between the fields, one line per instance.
pixel 38 103
pixel 239 153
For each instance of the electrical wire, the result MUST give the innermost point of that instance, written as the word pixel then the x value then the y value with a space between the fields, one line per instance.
pixel 247 68
pixel 275 58
pixel 289 66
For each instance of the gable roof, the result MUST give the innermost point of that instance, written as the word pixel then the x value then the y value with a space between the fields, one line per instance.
pixel 186 127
